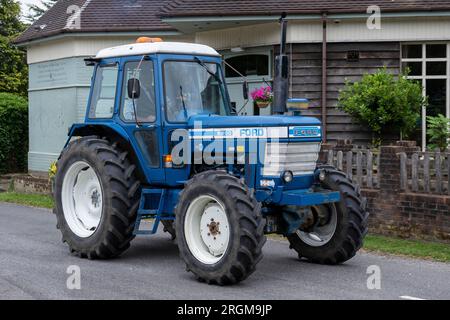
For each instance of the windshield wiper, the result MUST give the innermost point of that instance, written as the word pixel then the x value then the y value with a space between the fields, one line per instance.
pixel 200 62
pixel 183 102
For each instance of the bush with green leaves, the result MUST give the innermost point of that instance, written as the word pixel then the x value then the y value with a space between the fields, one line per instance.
pixel 438 132
pixel 13 133
pixel 384 103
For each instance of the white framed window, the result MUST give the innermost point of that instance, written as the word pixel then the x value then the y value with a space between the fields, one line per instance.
pixel 429 63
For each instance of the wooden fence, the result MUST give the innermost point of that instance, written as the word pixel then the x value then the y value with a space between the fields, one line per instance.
pixel 362 166
pixel 425 172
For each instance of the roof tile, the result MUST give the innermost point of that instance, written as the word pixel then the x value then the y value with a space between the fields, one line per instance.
pixel 99 16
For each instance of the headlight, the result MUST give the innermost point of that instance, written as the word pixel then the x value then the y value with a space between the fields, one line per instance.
pixel 287 176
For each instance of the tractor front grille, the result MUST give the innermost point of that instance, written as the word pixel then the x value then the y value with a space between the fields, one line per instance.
pixel 298 157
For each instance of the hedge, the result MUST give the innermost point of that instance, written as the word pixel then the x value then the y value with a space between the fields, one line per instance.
pixel 13 133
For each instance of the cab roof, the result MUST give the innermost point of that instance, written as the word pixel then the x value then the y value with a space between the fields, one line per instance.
pixel 136 49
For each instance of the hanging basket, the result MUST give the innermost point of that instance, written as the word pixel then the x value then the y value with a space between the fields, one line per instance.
pixel 262 104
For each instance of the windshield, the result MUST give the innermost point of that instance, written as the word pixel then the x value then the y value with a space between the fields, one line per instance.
pixel 192 88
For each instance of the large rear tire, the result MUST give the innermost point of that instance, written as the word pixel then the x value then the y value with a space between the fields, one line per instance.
pixel 340 229
pixel 97 196
pixel 219 227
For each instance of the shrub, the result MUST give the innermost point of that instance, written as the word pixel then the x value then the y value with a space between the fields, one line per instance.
pixel 438 132
pixel 383 102
pixel 13 133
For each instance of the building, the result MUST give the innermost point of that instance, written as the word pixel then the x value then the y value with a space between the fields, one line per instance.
pixel 329 42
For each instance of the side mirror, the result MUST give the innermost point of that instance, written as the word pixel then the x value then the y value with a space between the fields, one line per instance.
pixel 134 88
pixel 245 90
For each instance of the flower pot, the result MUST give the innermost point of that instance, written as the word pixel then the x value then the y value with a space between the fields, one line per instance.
pixel 262 104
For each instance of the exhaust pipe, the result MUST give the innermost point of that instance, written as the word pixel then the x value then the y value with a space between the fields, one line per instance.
pixel 281 81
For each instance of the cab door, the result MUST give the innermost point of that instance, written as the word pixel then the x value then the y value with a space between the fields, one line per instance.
pixel 141 117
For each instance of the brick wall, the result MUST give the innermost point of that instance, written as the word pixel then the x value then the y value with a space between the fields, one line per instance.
pixel 400 214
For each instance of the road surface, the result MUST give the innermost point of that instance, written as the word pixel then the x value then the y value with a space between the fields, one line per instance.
pixel 34 264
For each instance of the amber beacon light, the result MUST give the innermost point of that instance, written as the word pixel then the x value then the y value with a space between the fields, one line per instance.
pixel 148 40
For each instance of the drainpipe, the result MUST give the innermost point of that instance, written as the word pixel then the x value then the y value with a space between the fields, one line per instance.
pixel 324 77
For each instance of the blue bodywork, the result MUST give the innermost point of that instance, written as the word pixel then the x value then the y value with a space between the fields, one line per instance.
pixel 162 185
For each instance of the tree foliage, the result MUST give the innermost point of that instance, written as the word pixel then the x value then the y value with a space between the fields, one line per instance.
pixel 438 132
pixel 13 133
pixel 383 103
pixel 13 66
pixel 35 11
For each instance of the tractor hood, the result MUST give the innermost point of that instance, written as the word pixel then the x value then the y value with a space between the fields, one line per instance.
pixel 213 121
pixel 279 126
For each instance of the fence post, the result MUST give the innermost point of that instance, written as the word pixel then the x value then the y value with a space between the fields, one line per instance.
pixel 403 172
pixel 448 172
pixel 426 172
pixel 340 156
pixel 359 168
pixel 437 168
pixel 369 181
pixel 349 163
pixel 330 160
pixel 415 172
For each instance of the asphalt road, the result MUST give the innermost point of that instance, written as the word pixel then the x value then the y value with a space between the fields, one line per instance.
pixel 34 262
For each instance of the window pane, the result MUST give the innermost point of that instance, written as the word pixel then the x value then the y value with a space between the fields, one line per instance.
pixel 436 68
pixel 436 92
pixel 414 68
pixel 148 143
pixel 102 104
pixel 248 65
pixel 192 88
pixel 145 104
pixel 436 51
pixel 413 51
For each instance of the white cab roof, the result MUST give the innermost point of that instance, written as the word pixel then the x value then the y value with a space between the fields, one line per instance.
pixel 137 49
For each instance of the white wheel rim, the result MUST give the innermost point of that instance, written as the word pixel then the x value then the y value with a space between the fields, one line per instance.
pixel 82 199
pixel 206 229
pixel 321 235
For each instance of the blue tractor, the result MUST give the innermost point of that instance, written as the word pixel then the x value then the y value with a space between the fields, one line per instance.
pixel 160 141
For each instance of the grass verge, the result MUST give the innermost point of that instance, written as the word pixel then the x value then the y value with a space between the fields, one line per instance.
pixel 409 248
pixel 33 200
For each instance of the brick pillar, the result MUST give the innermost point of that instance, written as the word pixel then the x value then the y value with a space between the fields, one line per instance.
pixel 390 164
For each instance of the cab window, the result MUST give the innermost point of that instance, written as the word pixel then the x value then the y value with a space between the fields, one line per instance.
pixel 104 92
pixel 144 106
pixel 193 88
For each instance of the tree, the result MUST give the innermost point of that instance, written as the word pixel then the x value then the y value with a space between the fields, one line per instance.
pixel 438 132
pixel 383 103
pixel 35 11
pixel 13 66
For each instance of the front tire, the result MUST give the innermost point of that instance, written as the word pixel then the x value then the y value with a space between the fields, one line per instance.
pixel 342 232
pixel 219 227
pixel 96 196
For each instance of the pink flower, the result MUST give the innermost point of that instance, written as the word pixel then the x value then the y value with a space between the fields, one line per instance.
pixel 263 94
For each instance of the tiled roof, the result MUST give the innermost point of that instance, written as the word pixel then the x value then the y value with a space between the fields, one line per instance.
pixel 99 16
pixel 177 8
pixel 145 15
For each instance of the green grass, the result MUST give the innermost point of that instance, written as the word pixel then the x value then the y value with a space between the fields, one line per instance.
pixel 411 248
pixel 33 200
pixel 400 247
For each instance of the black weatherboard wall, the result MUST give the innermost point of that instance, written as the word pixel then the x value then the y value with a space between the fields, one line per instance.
pixel 346 61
